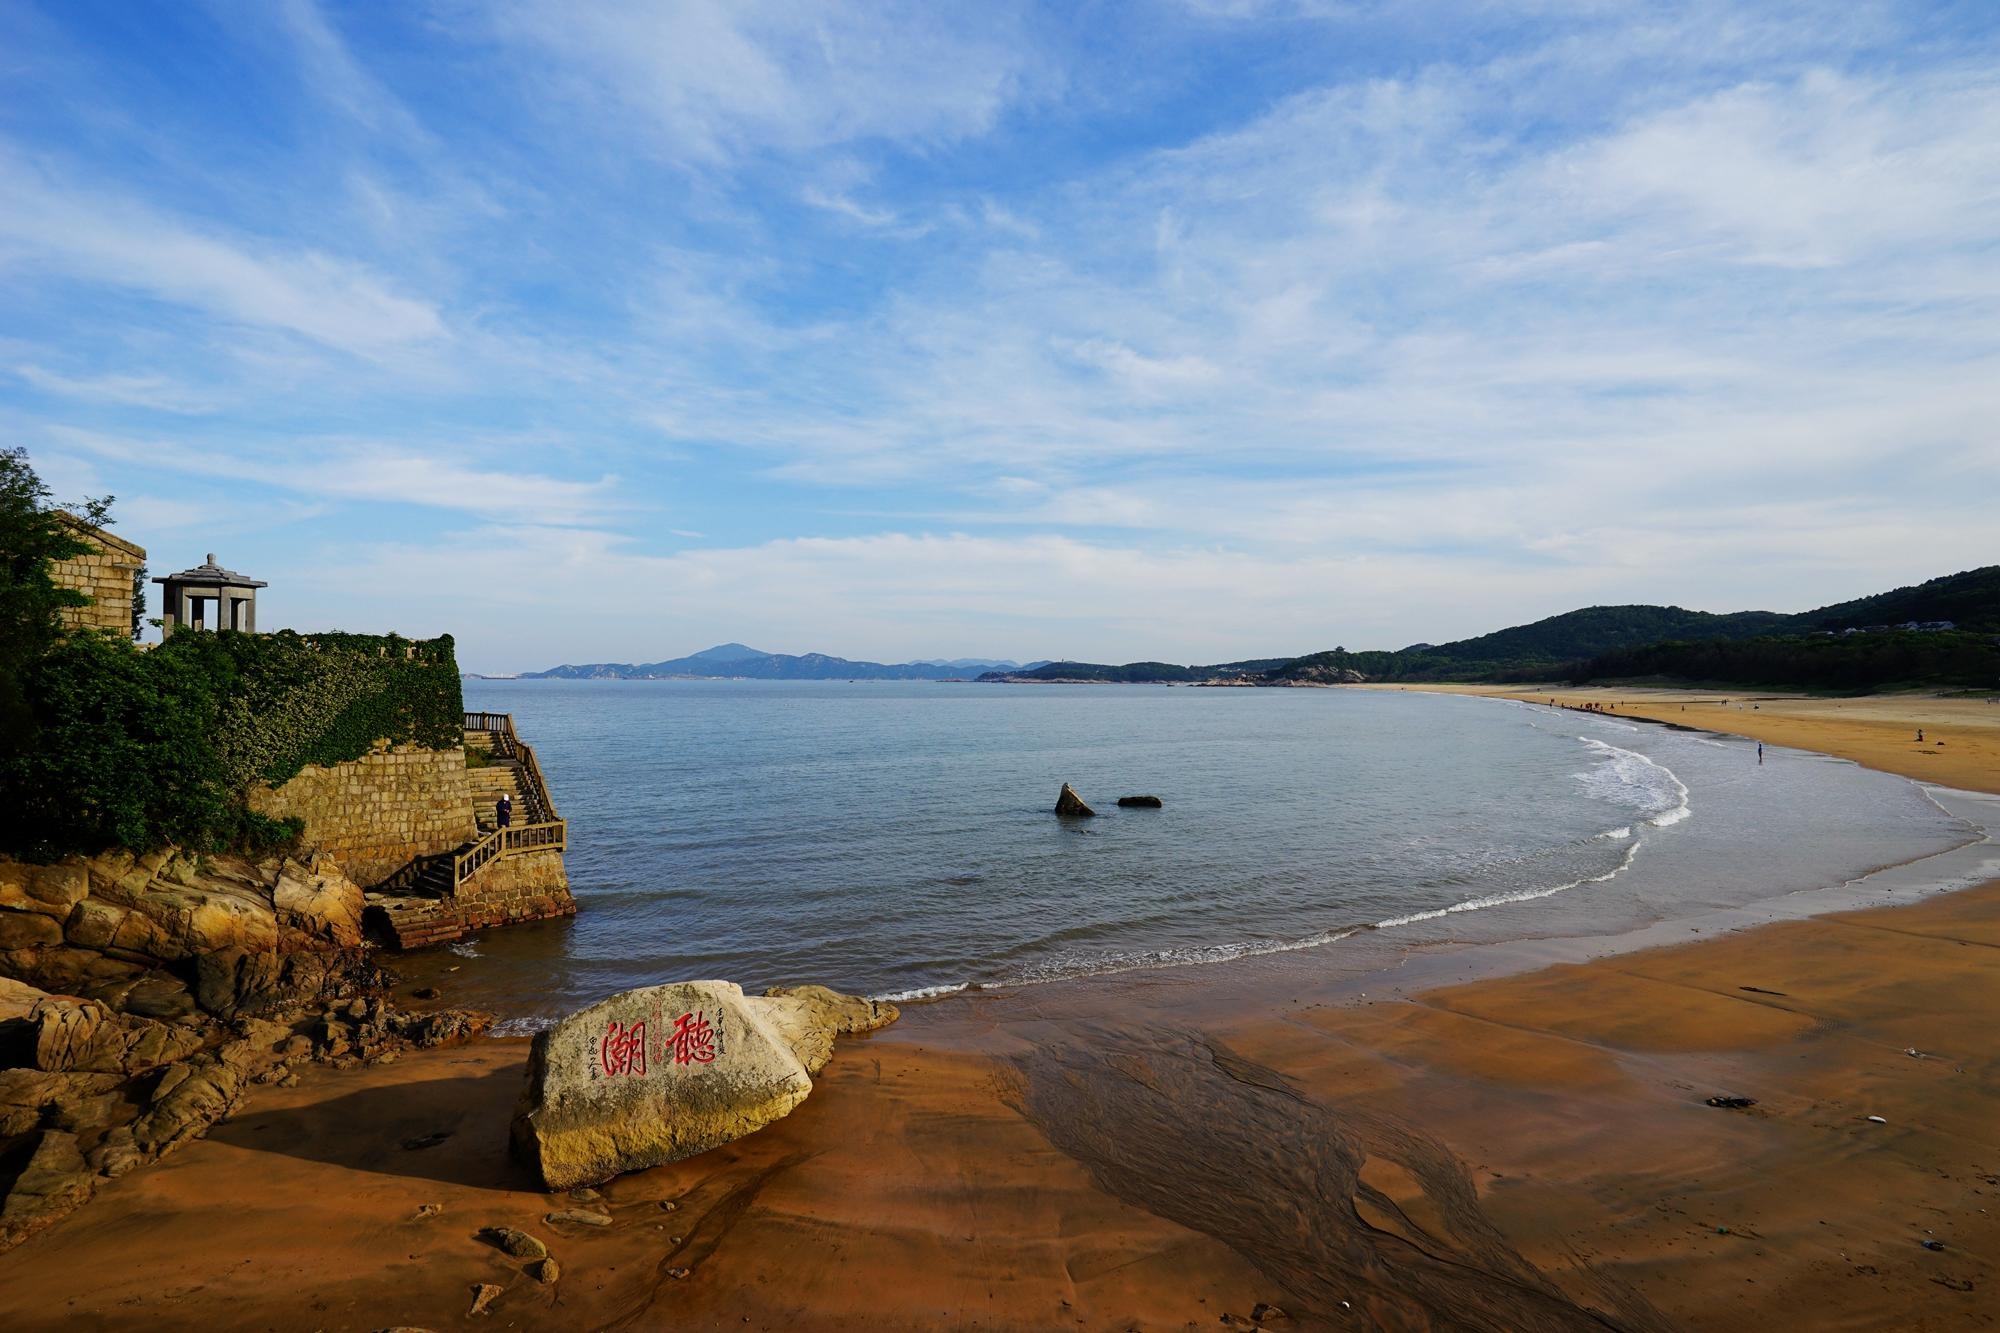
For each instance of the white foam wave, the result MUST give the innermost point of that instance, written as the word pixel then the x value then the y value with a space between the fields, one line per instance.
pixel 1635 780
pixel 1518 896
pixel 464 949
pixel 923 992
pixel 520 1027
pixel 1616 835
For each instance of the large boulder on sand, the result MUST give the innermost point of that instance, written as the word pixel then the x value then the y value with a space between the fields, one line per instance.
pixel 665 1072
pixel 1069 803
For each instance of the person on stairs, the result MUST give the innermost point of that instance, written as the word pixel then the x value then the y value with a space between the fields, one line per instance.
pixel 503 810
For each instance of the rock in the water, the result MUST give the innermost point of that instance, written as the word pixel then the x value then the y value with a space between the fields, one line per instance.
pixel 483 1296
pixel 544 1271
pixel 665 1072
pixel 1139 802
pixel 1069 803
pixel 514 1241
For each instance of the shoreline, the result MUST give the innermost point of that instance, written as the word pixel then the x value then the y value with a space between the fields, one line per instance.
pixel 1493 1135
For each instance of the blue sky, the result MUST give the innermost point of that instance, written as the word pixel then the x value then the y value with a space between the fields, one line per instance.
pixel 611 329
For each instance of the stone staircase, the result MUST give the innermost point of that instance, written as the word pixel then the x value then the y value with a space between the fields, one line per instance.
pixel 422 905
pixel 488 783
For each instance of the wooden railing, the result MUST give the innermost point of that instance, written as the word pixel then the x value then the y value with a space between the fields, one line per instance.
pixel 511 841
pixel 507 744
pixel 544 831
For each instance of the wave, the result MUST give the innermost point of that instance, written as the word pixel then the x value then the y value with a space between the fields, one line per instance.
pixel 923 992
pixel 1518 896
pixel 1632 779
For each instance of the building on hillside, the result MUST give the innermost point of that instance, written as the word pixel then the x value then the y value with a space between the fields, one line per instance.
pixel 186 595
pixel 109 575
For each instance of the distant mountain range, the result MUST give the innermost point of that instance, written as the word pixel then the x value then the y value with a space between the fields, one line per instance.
pixel 736 661
pixel 1940 632
pixel 1944 632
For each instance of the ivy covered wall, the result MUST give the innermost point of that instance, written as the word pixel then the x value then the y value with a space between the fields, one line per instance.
pixel 137 748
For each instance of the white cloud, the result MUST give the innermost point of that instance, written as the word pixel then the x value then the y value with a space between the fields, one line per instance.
pixel 484 482
pixel 107 237
pixel 156 392
pixel 717 77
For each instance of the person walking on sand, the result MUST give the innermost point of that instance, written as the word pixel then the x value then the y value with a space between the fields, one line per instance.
pixel 503 811
pixel 1760 754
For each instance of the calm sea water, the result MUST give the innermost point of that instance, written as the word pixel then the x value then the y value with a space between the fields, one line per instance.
pixel 896 839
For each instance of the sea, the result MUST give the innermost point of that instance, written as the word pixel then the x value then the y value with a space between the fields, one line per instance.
pixel 897 839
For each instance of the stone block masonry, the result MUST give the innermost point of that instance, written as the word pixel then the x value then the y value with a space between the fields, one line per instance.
pixel 378 813
pixel 104 576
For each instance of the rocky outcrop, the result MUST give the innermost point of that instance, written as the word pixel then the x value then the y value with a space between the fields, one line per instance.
pixel 140 997
pixel 662 1073
pixel 1321 675
pixel 1139 802
pixel 1069 803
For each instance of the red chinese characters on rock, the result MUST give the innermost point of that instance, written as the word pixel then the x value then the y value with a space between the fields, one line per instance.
pixel 693 1039
pixel 623 1050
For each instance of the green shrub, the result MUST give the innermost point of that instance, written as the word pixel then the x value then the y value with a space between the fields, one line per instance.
pixel 132 748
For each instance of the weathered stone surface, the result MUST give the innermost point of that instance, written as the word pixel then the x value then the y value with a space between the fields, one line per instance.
pixel 159 994
pixel 652 1076
pixel 66 1031
pixel 810 1017
pixel 1140 802
pixel 514 1241
pixel 33 1099
pixel 544 1271
pixel 483 1296
pixel 18 999
pixel 55 1181
pixel 1069 803
pixel 320 901
pixel 581 1217
pixel 28 930
pixel 189 1098
pixel 47 890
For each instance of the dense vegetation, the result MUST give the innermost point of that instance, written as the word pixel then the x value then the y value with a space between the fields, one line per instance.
pixel 33 538
pixel 1803 651
pixel 113 745
pixel 1853 662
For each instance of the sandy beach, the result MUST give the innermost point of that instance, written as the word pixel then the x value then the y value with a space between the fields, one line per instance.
pixel 1532 1149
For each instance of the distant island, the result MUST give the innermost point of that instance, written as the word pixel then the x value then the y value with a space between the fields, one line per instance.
pixel 736 661
pixel 1943 632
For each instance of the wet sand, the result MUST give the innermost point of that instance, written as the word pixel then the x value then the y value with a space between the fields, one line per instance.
pixel 1166 1150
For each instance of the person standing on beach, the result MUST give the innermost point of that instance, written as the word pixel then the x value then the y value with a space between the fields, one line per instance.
pixel 1760 754
pixel 503 811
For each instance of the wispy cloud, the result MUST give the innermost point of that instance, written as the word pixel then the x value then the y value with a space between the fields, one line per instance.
pixel 714 78
pixel 101 235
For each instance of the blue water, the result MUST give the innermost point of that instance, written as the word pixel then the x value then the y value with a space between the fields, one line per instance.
pixel 896 838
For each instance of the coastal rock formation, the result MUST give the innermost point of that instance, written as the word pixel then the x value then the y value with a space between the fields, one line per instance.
pixel 1139 802
pixel 1069 803
pixel 664 1072
pixel 140 997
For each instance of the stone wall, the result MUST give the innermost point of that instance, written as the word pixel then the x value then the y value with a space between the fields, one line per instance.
pixel 530 887
pixel 378 813
pixel 104 576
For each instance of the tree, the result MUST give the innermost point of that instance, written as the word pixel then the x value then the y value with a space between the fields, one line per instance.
pixel 34 535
